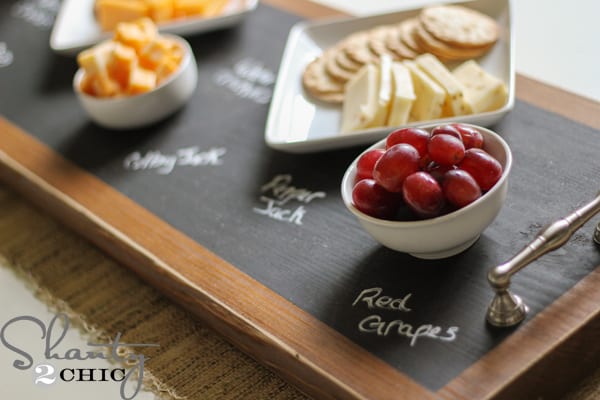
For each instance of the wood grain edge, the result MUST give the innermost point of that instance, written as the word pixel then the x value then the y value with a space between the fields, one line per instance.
pixel 551 98
pixel 527 364
pixel 261 323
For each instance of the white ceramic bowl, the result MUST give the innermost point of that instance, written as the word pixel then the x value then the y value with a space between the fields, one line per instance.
pixel 130 112
pixel 448 234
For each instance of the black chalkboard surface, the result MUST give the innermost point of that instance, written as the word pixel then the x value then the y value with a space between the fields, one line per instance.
pixel 207 172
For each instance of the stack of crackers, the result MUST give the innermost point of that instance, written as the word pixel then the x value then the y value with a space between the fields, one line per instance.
pixel 450 32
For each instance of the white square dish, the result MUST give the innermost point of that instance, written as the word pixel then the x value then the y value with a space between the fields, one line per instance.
pixel 298 123
pixel 76 27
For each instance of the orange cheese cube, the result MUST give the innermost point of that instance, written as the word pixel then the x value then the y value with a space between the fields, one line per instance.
pixel 87 84
pixel 185 8
pixel 121 62
pixel 111 12
pixel 105 87
pixel 215 7
pixel 160 10
pixel 166 68
pixel 141 81
pixel 94 62
pixel 137 33
pixel 153 54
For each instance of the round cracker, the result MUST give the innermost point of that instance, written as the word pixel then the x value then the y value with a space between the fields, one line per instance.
pixel 407 34
pixel 396 46
pixel 357 48
pixel 459 26
pixel 318 83
pixel 444 51
pixel 345 62
pixel 333 68
pixel 377 39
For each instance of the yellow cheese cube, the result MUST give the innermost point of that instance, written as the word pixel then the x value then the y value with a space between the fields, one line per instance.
pixel 105 87
pixel 121 62
pixel 154 52
pixel 87 84
pixel 141 81
pixel 186 8
pixel 160 10
pixel 94 61
pixel 136 34
pixel 166 68
pixel 483 91
pixel 215 7
pixel 111 12
pixel 162 55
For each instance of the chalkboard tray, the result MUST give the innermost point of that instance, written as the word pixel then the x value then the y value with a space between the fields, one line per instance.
pixel 188 205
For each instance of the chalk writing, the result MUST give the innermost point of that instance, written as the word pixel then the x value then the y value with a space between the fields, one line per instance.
pixel 40 13
pixel 278 193
pixel 374 299
pixel 164 164
pixel 376 324
pixel 247 79
pixel 6 56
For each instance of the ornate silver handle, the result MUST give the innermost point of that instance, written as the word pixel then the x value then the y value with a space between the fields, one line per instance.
pixel 507 309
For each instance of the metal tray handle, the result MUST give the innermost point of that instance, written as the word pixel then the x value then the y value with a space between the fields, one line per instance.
pixel 508 309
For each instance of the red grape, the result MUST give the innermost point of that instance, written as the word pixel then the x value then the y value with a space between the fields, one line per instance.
pixel 460 188
pixel 433 173
pixel 416 137
pixel 374 200
pixel 471 137
pixel 438 171
pixel 484 168
pixel 395 165
pixel 366 162
pixel 423 194
pixel 446 130
pixel 446 149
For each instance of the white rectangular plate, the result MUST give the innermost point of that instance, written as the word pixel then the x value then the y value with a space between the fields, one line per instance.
pixel 76 27
pixel 299 123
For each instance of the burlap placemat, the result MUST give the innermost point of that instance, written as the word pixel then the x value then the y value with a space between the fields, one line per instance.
pixel 104 298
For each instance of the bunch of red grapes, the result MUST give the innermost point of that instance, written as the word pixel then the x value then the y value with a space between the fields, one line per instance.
pixel 430 173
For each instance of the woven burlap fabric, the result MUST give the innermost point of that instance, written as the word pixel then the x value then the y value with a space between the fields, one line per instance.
pixel 104 298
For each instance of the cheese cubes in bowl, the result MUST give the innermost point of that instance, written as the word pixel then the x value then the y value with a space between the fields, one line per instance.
pixel 136 78
pixel 394 93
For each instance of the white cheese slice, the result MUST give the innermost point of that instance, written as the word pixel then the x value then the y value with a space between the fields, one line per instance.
pixel 360 107
pixel 403 95
pixel 430 96
pixel 483 91
pixel 384 96
pixel 455 103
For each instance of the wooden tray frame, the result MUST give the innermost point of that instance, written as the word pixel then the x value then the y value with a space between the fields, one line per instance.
pixel 306 352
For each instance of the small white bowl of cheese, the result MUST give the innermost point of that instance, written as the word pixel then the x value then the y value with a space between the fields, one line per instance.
pixel 145 90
